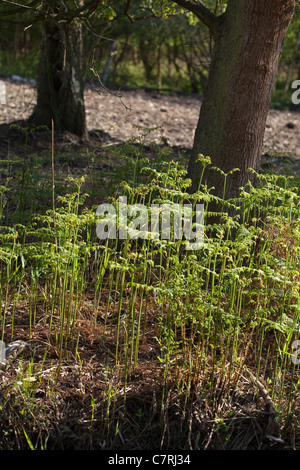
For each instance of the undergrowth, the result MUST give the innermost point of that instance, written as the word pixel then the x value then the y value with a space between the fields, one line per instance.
pixel 140 343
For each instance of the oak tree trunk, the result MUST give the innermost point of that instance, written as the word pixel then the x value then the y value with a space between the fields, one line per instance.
pixel 60 91
pixel 248 43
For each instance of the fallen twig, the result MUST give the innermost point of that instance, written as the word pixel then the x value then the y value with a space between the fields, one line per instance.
pixel 273 428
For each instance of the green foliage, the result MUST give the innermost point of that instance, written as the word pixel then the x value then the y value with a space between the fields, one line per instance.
pixel 201 310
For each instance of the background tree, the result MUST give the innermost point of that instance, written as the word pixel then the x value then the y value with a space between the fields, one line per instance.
pixel 60 76
pixel 289 69
pixel 248 40
pixel 20 39
pixel 60 88
pixel 152 50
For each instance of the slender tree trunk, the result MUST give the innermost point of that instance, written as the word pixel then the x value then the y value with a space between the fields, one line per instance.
pixel 144 55
pixel 60 82
pixel 109 60
pixel 248 43
pixel 159 74
pixel 291 66
pixel 17 42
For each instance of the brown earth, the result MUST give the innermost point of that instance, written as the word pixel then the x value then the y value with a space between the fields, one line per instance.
pixel 119 116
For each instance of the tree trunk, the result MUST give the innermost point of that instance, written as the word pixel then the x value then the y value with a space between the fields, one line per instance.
pixel 111 52
pixel 60 92
pixel 145 58
pixel 248 43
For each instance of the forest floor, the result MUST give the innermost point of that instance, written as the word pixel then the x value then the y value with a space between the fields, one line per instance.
pixel 112 119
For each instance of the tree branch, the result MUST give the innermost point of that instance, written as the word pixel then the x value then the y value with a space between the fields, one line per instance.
pixel 204 14
pixel 20 8
pixel 126 11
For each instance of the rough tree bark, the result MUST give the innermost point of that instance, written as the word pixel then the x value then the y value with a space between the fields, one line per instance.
pixel 60 91
pixel 248 43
